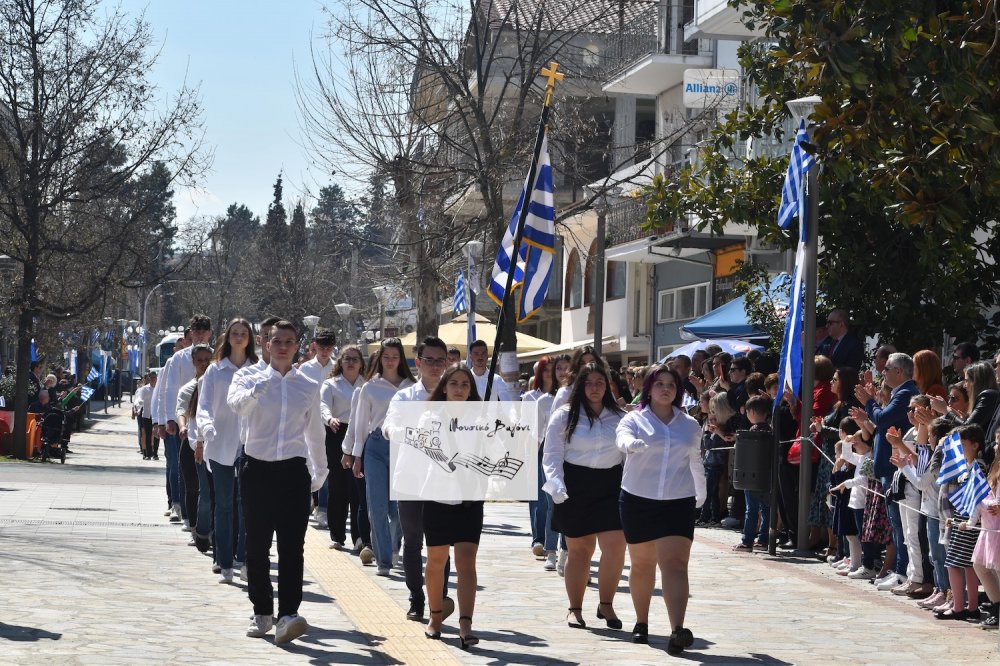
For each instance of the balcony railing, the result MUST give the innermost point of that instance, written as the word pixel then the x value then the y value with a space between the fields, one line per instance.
pixel 624 220
pixel 658 29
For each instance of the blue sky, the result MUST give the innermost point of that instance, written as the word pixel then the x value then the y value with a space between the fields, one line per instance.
pixel 243 54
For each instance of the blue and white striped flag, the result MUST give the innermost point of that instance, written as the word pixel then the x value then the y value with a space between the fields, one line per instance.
pixel 85 393
pixel 460 304
pixel 953 460
pixel 971 493
pixel 791 192
pixel 790 362
pixel 93 374
pixel 538 245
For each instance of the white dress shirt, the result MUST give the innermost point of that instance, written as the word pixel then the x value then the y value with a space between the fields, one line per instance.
pixel 499 391
pixel 413 393
pixel 543 407
pixel 154 404
pixel 335 398
pixel 318 373
pixel 183 400
pixel 373 403
pixel 591 445
pixel 857 500
pixel 561 398
pixel 218 424
pixel 663 460
pixel 348 444
pixel 283 419
pixel 143 400
pixel 246 371
pixel 178 371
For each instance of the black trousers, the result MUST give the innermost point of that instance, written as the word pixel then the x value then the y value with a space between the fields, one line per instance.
pixel 189 478
pixel 411 520
pixel 361 518
pixel 342 497
pixel 788 494
pixel 276 500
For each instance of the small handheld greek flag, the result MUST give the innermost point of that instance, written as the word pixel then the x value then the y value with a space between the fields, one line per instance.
pixel 93 374
pixel 460 304
pixel 791 192
pixel 971 493
pixel 953 460
pixel 85 393
pixel 533 265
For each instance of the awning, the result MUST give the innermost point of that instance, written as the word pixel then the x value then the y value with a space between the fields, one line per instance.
pixel 730 320
pixel 455 333
pixel 568 348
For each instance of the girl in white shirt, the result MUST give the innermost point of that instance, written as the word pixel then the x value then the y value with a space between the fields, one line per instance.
pixel 543 539
pixel 583 471
pixel 388 374
pixel 663 483
pixel 335 406
pixel 219 437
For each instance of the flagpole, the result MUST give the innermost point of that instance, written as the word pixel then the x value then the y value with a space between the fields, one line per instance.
pixel 553 76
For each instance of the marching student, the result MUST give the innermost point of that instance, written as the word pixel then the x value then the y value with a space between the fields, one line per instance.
pixel 219 430
pixel 161 409
pixel 389 373
pixel 318 368
pixel 363 537
pixel 431 361
pixel 479 361
pixel 197 482
pixel 285 461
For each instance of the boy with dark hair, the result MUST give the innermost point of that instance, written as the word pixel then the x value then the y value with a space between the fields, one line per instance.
pixel 758 512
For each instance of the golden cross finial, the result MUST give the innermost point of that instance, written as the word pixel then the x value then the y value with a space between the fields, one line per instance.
pixel 553 75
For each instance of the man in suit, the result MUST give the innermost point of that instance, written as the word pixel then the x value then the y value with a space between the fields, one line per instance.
pixel 841 345
pixel 898 376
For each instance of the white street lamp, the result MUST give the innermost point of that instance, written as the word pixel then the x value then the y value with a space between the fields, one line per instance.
pixel 311 322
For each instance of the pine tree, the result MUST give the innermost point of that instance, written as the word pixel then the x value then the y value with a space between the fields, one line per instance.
pixel 276 223
pixel 297 230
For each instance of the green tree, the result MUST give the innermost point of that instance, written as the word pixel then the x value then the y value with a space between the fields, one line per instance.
pixel 297 230
pixel 907 141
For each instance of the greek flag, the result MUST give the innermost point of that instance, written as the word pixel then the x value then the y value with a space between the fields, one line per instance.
pixel 953 460
pixel 790 362
pixel 971 493
pixel 791 192
pixel 460 304
pixel 85 393
pixel 534 257
pixel 93 374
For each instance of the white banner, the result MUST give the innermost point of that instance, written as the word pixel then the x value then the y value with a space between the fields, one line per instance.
pixel 463 451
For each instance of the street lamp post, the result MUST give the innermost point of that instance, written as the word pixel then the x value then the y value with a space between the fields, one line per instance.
pixel 344 310
pixel 311 322
pixel 382 295
pixel 597 298
pixel 122 323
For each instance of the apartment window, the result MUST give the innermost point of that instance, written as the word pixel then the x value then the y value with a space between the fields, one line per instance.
pixel 615 280
pixel 682 303
pixel 574 282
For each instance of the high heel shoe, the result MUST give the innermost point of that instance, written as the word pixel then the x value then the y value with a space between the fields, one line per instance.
pixel 612 622
pixel 640 633
pixel 469 640
pixel 576 623
pixel 434 635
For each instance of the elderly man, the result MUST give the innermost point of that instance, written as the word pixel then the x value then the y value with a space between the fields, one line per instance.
pixel 841 345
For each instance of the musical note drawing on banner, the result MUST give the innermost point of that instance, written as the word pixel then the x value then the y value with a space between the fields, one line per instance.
pixel 507 467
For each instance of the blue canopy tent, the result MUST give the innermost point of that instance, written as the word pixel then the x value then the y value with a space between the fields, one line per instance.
pixel 730 320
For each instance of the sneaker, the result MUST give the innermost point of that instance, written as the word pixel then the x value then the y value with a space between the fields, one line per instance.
pixel 550 562
pixel 901 589
pixel 416 612
pixel 321 522
pixel 864 573
pixel 395 559
pixel 192 542
pixel 337 545
pixel 358 545
pixel 834 560
pixel 243 574
pixel 990 622
pixel 919 590
pixel 561 564
pixel 169 512
pixel 367 555
pixel 846 571
pixel 890 582
pixel 216 569
pixel 537 549
pixel 237 564
pixel 174 518
pixel 187 525
pixel 932 601
pixel 730 522
pixel 289 628
pixel 259 626
pixel 944 605
pixel 889 575
pixel 382 571
pixel 227 576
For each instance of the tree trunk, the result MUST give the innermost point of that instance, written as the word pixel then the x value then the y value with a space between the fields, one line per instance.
pixel 427 302
pixel 25 329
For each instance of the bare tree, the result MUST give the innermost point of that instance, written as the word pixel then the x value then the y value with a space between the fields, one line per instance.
pixel 79 122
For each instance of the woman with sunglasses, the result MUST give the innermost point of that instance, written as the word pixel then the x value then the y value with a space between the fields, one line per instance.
pixel 388 374
pixel 335 407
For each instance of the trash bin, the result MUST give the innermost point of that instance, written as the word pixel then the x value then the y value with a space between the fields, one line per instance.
pixel 753 461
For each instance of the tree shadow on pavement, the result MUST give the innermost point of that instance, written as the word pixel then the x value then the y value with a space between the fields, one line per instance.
pixel 320 645
pixel 13 632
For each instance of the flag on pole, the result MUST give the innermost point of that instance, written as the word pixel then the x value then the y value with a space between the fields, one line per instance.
pixel 790 362
pixel 93 374
pixel 460 304
pixel 85 393
pixel 533 265
pixel 952 461
pixel 791 192
pixel 971 493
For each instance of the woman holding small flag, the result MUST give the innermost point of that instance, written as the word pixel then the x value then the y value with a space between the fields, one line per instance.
pixel 986 556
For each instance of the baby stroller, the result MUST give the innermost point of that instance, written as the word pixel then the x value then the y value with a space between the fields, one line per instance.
pixel 55 435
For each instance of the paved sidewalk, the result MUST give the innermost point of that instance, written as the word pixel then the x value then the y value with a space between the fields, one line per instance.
pixel 96 575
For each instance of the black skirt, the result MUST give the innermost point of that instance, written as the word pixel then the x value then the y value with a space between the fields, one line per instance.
pixel 646 519
pixel 448 524
pixel 592 506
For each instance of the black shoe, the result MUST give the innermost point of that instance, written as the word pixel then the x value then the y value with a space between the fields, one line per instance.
pixel 201 543
pixel 952 615
pixel 468 640
pixel 433 635
pixel 989 623
pixel 612 622
pixel 640 633
pixel 156 457
pixel 680 640
pixel 416 612
pixel 577 621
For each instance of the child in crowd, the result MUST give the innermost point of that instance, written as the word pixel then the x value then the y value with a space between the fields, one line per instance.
pixel 844 524
pixel 717 437
pixel 758 410
pixel 986 556
pixel 855 450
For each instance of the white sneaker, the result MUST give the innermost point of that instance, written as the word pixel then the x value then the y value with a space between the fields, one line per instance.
pixel 367 555
pixel 321 522
pixel 259 626
pixel 187 527
pixel 382 571
pixel 893 581
pixel 537 549
pixel 395 559
pixel 863 573
pixel 168 512
pixel 227 576
pixel 176 508
pixel 561 565
pixel 289 628
pixel 888 576
pixel 550 562
pixel 243 574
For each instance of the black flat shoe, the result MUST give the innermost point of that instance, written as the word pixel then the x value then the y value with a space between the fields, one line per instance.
pixel 433 635
pixel 469 640
pixel 612 622
pixel 680 640
pixel 952 615
pixel 576 623
pixel 640 633
pixel 416 612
